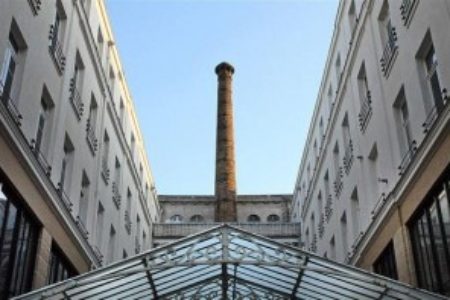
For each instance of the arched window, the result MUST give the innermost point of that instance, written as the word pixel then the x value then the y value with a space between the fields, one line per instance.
pixel 253 218
pixel 197 219
pixel 273 218
pixel 176 219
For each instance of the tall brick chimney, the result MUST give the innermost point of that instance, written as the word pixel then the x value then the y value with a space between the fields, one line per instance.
pixel 225 186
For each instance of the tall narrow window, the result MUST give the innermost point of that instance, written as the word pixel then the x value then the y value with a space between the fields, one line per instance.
pixel 388 38
pixel 83 206
pixel 386 264
pixel 352 16
pixel 338 70
pixel 76 85
pixel 18 239
pixel 407 144
pixel 328 197
pixel 128 212
pixel 105 156
pixel 122 111
pixel 348 145
pixel 100 44
pixel 45 118
pixel 91 126
pixel 431 65
pixel 132 145
pixel 12 67
pixel 321 215
pixel 66 166
pixel 354 204
pixel 57 30
pixel 111 244
pixel 60 268
pixel 338 183
pixel 365 99
pixel 99 225
pixel 116 184
pixel 112 81
pixel 344 236
pixel 316 152
pixel 333 248
pixel 330 101
pixel 373 171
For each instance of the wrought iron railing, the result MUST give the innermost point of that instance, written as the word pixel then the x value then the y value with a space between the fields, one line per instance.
pixel 348 157
pixel 75 99
pixel 116 194
pixel 389 51
pixel 105 170
pixel 82 227
pixel 10 106
pixel 338 183
pixel 329 208
pixel 379 205
pixel 35 6
pixel 407 157
pixel 321 225
pixel 91 138
pixel 98 254
pixel 407 9
pixel 137 243
pixel 435 112
pixel 127 222
pixel 313 247
pixel 267 229
pixel 56 51
pixel 365 112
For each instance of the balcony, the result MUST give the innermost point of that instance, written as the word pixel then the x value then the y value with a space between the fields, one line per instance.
pixel 348 157
pixel 379 205
pixel 177 230
pixel 75 99
pixel 10 106
pixel 338 183
pixel 407 10
pixel 137 244
pixel 407 158
pixel 116 194
pixel 98 254
pixel 35 6
pixel 329 208
pixel 435 112
pixel 365 112
pixel 105 170
pixel 82 227
pixel 91 138
pixel 389 52
pixel 40 158
pixel 56 51
pixel 127 222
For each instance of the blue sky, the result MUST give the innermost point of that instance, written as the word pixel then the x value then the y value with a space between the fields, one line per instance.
pixel 169 50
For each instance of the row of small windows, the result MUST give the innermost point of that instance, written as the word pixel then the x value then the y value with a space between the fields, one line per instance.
pixel 198 218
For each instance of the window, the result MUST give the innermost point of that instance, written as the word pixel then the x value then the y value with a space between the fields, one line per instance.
pixel 348 145
pixel 352 16
pixel 18 239
pixel 355 210
pixel 388 38
pixel 365 99
pixel 329 197
pixel 373 171
pixel 338 71
pixel 332 248
pixel 122 111
pixel 84 201
pixel 385 264
pixel 124 254
pixel 111 244
pixel 273 218
pixel 66 166
pixel 176 219
pixel 430 238
pixel 344 236
pixel 431 65
pixel 45 118
pixel 91 125
pixel 100 44
pixel 253 219
pixel 330 102
pixel 132 145
pixel 57 36
pixel 76 83
pixel 338 183
pixel 60 268
pixel 12 67
pixel 99 225
pixel 112 80
pixel 197 219
pixel 105 155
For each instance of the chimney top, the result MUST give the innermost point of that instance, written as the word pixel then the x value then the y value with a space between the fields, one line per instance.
pixel 224 66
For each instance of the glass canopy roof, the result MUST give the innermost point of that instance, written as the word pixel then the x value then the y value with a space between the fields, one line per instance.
pixel 225 262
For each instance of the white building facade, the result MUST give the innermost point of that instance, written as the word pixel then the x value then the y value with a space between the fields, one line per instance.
pixel 76 189
pixel 373 184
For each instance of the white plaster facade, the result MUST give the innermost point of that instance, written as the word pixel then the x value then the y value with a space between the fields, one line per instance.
pixel 106 205
pixel 376 130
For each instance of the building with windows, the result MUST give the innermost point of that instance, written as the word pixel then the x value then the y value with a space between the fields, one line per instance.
pixel 373 187
pixel 76 190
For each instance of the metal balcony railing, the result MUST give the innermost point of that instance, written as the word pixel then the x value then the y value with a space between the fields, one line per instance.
pixel 91 138
pixel 98 254
pixel 175 230
pixel 389 52
pixel 116 194
pixel 379 205
pixel 105 170
pixel 75 99
pixel 82 227
pixel 313 247
pixel 41 158
pixel 407 9
pixel 64 198
pixel 329 208
pixel 35 6
pixel 435 112
pixel 407 157
pixel 321 225
pixel 56 51
pixel 127 222
pixel 348 157
pixel 338 183
pixel 365 112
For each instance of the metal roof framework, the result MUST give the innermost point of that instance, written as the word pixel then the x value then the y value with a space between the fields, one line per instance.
pixel 225 262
